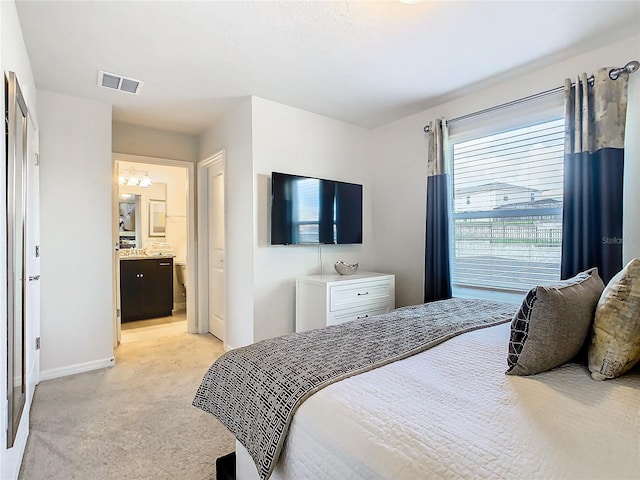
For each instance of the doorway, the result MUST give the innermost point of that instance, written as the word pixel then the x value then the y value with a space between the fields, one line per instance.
pixel 154 238
pixel 211 246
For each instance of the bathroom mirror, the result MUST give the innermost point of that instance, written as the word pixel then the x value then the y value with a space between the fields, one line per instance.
pixel 16 168
pixel 150 208
pixel 129 220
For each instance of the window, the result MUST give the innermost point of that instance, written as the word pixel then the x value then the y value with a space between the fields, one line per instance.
pixel 308 213
pixel 509 238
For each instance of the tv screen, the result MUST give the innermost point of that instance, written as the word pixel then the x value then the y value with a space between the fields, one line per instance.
pixel 308 211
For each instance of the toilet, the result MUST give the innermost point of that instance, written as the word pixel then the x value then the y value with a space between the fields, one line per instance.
pixel 181 275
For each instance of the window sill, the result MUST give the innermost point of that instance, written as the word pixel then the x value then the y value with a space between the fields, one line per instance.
pixel 488 294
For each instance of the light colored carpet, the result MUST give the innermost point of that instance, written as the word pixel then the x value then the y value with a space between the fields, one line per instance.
pixel 139 324
pixel 131 421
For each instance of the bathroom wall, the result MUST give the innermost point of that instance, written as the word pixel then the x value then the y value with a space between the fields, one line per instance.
pixel 157 191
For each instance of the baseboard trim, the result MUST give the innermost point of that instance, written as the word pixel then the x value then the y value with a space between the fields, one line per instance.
pixel 179 307
pixel 77 368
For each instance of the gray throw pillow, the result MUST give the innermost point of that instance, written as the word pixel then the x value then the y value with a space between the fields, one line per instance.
pixel 553 323
pixel 615 342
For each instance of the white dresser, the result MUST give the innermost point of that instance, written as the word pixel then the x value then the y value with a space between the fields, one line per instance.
pixel 323 300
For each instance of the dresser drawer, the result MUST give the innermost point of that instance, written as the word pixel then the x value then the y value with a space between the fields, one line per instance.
pixel 323 300
pixel 357 314
pixel 356 294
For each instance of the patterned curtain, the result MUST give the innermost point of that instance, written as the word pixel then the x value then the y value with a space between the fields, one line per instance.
pixel 593 174
pixel 437 277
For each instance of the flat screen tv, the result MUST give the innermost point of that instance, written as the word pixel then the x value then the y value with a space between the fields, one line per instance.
pixel 311 211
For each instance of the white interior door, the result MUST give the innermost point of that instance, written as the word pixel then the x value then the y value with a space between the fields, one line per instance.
pixel 31 270
pixel 23 273
pixel 115 239
pixel 216 252
pixel 32 254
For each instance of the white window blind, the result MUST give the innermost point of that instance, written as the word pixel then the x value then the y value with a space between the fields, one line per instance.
pixel 506 222
pixel 307 214
pixel 306 217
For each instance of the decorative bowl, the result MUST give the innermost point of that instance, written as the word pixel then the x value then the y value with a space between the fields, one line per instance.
pixel 345 268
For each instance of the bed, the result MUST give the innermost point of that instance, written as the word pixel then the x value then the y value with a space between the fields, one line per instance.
pixel 449 411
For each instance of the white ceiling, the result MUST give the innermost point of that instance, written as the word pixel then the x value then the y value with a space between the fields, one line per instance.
pixel 364 62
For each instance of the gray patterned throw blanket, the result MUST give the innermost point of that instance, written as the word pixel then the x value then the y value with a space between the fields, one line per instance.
pixel 255 390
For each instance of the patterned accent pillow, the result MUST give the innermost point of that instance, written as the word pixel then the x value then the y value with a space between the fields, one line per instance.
pixel 520 327
pixel 615 342
pixel 553 323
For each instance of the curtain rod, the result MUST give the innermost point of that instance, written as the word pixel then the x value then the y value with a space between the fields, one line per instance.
pixel 614 73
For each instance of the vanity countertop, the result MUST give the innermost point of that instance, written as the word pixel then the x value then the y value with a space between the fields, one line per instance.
pixel 146 257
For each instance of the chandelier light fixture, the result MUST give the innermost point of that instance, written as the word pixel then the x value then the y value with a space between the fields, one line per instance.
pixel 134 178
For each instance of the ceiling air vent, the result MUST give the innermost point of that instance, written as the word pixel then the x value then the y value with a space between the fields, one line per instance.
pixel 118 82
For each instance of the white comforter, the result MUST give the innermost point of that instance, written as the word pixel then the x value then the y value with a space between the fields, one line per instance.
pixel 451 412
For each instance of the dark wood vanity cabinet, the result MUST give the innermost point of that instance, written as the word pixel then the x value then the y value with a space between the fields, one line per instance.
pixel 146 288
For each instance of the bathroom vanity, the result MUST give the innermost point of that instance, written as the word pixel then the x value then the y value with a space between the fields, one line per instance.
pixel 146 287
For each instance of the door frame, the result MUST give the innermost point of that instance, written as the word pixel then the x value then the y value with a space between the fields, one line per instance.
pixel 192 254
pixel 10 458
pixel 203 239
pixel 115 241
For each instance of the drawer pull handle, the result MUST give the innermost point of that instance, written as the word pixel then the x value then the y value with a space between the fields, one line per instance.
pixel 165 264
pixel 361 294
pixel 366 316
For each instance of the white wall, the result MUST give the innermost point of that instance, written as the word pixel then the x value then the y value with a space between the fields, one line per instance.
pixel 259 137
pixel 150 142
pixel 233 134
pixel 13 57
pixel 173 180
pixel 76 231
pixel 290 140
pixel 399 156
pixel 631 215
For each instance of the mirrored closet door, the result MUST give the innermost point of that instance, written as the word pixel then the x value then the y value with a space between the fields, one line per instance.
pixel 16 168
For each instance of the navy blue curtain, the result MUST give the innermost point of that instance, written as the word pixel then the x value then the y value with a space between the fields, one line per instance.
pixel 437 276
pixel 595 117
pixel 592 217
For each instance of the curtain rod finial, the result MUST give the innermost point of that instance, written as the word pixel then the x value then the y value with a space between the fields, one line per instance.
pixel 630 67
